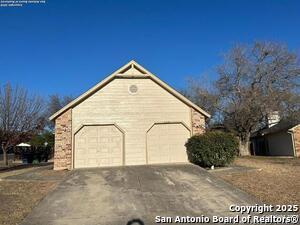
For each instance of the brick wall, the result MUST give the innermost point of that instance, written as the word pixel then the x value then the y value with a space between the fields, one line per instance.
pixel 198 123
pixel 297 140
pixel 63 141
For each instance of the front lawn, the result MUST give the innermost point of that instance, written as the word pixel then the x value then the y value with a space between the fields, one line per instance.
pixel 21 190
pixel 274 181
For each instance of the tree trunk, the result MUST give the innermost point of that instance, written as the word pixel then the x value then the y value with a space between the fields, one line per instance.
pixel 5 160
pixel 245 146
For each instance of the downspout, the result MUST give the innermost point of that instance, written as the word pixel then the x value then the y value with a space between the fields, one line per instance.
pixel 293 141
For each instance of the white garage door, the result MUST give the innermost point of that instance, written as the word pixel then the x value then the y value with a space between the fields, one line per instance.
pixel 98 146
pixel 165 143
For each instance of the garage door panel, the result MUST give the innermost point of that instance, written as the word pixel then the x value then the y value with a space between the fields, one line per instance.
pixel 165 143
pixel 80 163
pixel 98 146
pixel 102 150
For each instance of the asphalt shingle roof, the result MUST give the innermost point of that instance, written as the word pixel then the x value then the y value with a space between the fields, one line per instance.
pixel 283 125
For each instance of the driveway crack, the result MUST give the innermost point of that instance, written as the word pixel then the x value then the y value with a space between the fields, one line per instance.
pixel 140 186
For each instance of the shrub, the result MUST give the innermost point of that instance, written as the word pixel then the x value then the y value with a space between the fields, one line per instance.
pixel 212 149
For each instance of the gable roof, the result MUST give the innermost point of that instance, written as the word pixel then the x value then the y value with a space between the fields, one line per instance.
pixel 283 125
pixel 131 70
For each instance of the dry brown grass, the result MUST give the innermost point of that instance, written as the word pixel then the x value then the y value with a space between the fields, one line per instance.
pixel 277 180
pixel 19 196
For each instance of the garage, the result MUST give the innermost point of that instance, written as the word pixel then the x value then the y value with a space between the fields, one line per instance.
pixel 165 143
pixel 98 146
pixel 129 118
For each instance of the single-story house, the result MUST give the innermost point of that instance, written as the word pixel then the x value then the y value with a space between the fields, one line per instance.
pixel 281 139
pixel 129 118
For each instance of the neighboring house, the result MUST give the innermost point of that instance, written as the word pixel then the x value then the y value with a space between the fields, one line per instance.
pixel 280 139
pixel 129 118
pixel 218 127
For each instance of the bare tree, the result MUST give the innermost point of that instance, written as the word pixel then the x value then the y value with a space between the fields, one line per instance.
pixel 291 107
pixel 255 81
pixel 20 117
pixel 55 103
pixel 204 96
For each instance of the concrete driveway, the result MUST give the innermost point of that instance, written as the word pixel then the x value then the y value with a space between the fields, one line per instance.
pixel 115 196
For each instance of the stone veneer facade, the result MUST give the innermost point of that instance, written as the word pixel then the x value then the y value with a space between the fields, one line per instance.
pixel 63 141
pixel 296 131
pixel 198 123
